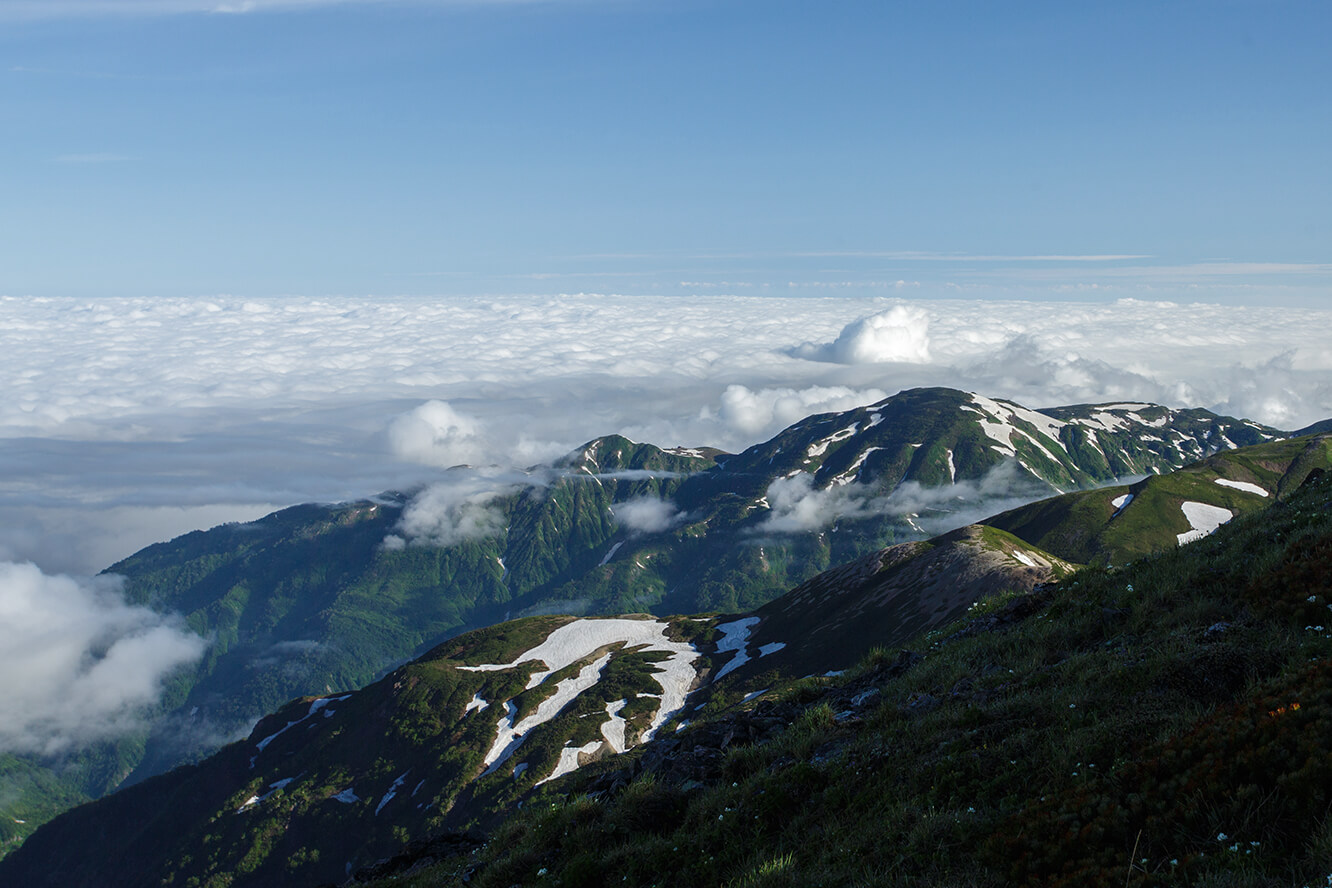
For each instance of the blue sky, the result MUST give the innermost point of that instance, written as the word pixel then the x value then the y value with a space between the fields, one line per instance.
pixel 1177 150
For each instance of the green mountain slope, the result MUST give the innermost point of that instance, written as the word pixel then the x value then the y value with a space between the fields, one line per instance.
pixel 463 735
pixel 320 599
pixel 1120 524
pixel 1167 723
pixel 888 597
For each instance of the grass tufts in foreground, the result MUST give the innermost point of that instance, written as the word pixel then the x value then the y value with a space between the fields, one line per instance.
pixel 1165 723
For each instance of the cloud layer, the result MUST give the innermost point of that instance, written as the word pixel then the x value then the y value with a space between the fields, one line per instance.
pixel 77 663
pixel 128 420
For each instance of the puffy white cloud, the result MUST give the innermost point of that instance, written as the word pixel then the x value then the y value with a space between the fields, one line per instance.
pixel 434 434
pixel 769 410
pixel 647 514
pixel 78 663
pixel 900 334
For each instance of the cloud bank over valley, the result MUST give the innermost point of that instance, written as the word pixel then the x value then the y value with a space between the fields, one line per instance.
pixel 77 663
pixel 128 421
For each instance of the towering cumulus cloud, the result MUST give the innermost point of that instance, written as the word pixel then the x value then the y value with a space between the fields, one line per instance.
pixel 78 663
pixel 900 334
pixel 435 434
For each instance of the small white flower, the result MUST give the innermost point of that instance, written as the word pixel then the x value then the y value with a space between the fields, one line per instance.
pixel 1221 837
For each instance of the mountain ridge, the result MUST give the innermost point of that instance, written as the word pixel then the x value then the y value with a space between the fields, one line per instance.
pixel 320 599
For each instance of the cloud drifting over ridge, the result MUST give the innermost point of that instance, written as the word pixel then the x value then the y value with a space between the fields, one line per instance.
pixel 118 411
pixel 78 663
pixel 798 506
pixel 647 514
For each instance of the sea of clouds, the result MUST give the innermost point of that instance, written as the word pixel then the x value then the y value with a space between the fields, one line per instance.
pixel 128 421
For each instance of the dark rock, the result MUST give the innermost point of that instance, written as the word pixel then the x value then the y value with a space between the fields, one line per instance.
pixel 418 854
pixel 859 700
pixel 920 703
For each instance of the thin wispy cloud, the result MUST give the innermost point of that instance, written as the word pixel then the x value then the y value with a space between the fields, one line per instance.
pixel 53 9
pixel 912 256
pixel 1211 273
pixel 89 159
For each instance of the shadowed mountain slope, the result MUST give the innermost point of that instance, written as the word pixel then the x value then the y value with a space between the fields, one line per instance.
pixel 319 599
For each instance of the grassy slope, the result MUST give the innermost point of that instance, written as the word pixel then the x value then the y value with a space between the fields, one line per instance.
pixel 889 597
pixel 1085 527
pixel 1164 723
pixel 306 600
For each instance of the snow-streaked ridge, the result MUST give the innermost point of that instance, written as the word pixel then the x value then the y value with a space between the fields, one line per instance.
pixel 578 640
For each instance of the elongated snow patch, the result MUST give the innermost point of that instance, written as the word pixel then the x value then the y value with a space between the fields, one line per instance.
pixel 576 641
pixel 613 728
pixel 735 638
pixel 1242 485
pixel 1203 519
pixel 569 760
pixel 392 791
pixel 1121 501
pixel 510 736
pixel 315 706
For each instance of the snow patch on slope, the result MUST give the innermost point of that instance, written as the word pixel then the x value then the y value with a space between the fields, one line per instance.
pixel 613 728
pixel 392 791
pixel 1203 519
pixel 850 474
pixel 510 736
pixel 818 448
pixel 315 706
pixel 1242 485
pixel 735 638
pixel 569 760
